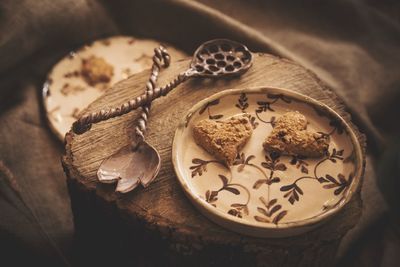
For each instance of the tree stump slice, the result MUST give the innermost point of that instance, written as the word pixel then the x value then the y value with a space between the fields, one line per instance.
pixel 158 225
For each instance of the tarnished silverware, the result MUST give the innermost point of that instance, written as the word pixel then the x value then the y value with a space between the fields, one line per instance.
pixel 140 163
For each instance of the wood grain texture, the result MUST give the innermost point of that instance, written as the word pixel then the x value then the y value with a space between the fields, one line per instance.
pixel 162 211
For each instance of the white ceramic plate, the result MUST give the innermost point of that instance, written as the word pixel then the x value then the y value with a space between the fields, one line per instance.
pixel 266 195
pixel 66 93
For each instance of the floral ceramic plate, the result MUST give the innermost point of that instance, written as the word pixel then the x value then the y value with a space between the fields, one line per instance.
pixel 66 93
pixel 263 194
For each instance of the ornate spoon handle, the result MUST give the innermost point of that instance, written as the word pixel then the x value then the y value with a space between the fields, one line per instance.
pixel 85 122
pixel 161 59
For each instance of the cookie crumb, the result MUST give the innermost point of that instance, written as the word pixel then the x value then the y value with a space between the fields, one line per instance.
pixel 96 70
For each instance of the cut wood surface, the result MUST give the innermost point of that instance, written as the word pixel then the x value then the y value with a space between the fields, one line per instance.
pixel 162 211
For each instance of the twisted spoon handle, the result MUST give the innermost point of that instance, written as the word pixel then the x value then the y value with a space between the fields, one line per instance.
pixel 85 122
pixel 161 59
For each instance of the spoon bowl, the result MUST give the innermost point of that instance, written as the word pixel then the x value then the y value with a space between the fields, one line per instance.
pixel 130 169
pixel 221 57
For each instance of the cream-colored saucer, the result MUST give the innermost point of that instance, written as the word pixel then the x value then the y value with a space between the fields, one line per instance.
pixel 267 195
pixel 66 92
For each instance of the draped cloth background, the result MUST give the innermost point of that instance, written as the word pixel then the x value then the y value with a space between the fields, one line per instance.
pixel 353 46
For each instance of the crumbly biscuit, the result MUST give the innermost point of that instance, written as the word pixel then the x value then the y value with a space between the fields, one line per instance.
pixel 223 139
pixel 290 137
pixel 96 70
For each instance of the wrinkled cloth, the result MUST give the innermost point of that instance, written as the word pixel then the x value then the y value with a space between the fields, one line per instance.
pixel 351 45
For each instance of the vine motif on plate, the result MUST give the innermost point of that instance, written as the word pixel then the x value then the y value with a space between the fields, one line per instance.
pixel 207 107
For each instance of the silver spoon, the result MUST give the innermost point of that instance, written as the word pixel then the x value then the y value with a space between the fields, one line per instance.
pixel 139 162
pixel 213 59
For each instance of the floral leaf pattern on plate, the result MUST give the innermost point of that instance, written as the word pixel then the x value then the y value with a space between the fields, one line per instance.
pixel 243 104
pixel 271 212
pixel 207 107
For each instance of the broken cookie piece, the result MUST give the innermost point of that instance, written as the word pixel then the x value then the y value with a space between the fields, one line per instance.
pixel 96 70
pixel 290 137
pixel 223 139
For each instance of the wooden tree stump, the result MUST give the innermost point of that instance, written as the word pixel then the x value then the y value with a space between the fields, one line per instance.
pixel 158 225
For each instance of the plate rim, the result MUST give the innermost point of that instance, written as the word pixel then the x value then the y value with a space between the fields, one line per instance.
pixel 257 228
